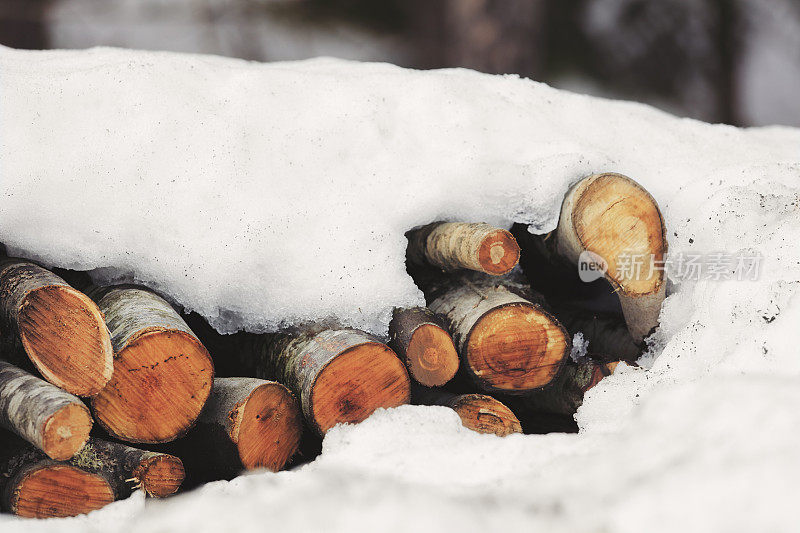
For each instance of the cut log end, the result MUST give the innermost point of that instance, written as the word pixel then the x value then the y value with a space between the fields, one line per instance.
pixel 356 383
pixel 498 253
pixel 601 371
pixel 161 381
pixel 484 414
pixel 270 429
pixel 616 218
pixel 431 355
pixel 161 475
pixel 58 490
pixel 516 347
pixel 66 431
pixel 65 336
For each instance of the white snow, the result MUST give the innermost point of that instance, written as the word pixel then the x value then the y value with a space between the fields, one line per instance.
pixel 259 194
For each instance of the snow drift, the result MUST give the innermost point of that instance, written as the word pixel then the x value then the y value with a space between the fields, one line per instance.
pixel 267 194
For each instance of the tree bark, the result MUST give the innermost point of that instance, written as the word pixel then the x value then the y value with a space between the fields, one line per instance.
pixel 248 423
pixel 34 486
pixel 419 336
pixel 507 340
pixel 339 375
pixel 478 412
pixel 162 372
pixel 612 216
pixel 454 246
pixel 60 328
pixel 54 421
pixel 565 395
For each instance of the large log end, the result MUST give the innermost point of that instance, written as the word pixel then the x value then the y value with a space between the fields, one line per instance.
pixel 66 431
pixel 485 414
pixel 517 347
pixel 65 336
pixel 161 381
pixel 356 383
pixel 270 427
pixel 59 490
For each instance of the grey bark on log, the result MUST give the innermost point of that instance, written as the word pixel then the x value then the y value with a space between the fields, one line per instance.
pixel 53 420
pixel 300 358
pixel 453 246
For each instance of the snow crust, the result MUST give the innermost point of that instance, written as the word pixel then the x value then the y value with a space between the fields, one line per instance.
pixel 260 194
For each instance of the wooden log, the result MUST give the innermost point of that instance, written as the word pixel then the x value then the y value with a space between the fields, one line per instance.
pixel 457 245
pixel 478 412
pixel 614 217
pixel 51 419
pixel 508 342
pixel 565 395
pixel 339 375
pixel 248 423
pixel 162 373
pixel 127 469
pixel 34 486
pixel 60 328
pixel 420 337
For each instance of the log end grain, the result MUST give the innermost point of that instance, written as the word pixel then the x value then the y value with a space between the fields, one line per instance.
pixel 356 383
pixel 498 253
pixel 516 347
pixel 66 431
pixel 485 414
pixel 270 427
pixel 161 381
pixel 59 490
pixel 65 336
pixel 161 475
pixel 615 218
pixel 432 356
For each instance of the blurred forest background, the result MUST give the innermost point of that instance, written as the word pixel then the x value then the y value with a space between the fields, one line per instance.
pixel 732 61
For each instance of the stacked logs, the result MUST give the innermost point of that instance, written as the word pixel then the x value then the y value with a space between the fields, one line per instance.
pixel 493 346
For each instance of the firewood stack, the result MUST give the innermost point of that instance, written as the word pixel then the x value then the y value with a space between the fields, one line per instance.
pixel 493 345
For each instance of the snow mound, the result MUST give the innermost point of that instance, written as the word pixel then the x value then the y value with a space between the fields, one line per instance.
pixel 260 195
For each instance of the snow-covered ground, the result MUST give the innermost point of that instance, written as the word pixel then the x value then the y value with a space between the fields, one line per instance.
pixel 262 194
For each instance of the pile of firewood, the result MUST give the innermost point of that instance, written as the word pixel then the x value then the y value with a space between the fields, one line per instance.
pixel 494 344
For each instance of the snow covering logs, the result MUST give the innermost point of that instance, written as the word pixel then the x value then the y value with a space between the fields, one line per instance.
pixel 339 375
pixel 162 372
pixel 488 346
pixel 61 330
pixel 453 246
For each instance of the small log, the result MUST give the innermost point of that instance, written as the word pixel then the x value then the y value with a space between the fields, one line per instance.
pixel 54 421
pixel 478 412
pixel 248 423
pixel 507 340
pixel 127 469
pixel 339 375
pixel 565 395
pixel 34 486
pixel 60 328
pixel 162 372
pixel 614 217
pixel 458 245
pixel 420 338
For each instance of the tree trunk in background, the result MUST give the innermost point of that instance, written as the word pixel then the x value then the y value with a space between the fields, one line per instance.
pixel 23 24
